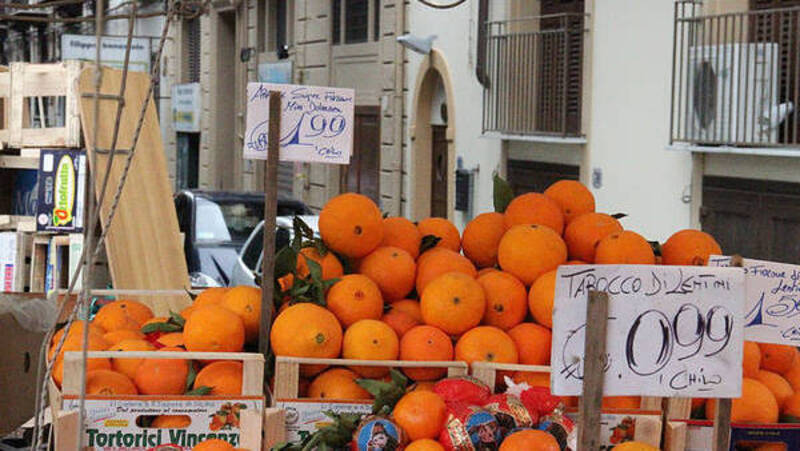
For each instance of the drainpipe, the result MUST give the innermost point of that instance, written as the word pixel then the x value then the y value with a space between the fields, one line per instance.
pixel 399 97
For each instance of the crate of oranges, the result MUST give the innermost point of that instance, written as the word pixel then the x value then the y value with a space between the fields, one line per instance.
pixel 180 380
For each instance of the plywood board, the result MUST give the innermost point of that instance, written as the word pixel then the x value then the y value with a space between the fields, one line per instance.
pixel 143 246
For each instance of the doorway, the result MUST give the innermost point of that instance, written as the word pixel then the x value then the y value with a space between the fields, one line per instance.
pixel 361 175
pixel 439 165
pixel 225 124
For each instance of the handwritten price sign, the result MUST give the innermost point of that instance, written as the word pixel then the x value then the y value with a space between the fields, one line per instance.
pixel 672 330
pixel 316 123
pixel 772 300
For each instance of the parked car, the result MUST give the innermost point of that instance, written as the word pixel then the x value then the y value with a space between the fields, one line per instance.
pixel 216 224
pixel 248 264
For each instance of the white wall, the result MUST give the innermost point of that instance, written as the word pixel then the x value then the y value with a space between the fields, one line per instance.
pixel 629 123
pixel 455 29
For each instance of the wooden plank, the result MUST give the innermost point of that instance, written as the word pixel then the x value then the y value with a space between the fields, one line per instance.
pixel 18 223
pixel 722 425
pixel 274 427
pixel 675 436
pixel 143 246
pixel 39 262
pixel 18 162
pixel 487 371
pixel 23 261
pixel 5 103
pixel 594 358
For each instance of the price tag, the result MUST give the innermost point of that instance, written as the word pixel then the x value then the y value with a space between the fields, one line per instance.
pixel 772 300
pixel 316 123
pixel 673 331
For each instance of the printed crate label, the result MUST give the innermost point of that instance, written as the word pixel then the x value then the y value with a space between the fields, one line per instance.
pixel 112 422
pixel 744 437
pixel 305 416
pixel 620 426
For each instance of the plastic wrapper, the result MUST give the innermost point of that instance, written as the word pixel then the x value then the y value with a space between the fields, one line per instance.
pixel 378 433
pixel 510 413
pixel 470 428
pixel 462 389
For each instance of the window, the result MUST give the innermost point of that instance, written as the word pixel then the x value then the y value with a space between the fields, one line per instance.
pixel 191 42
pixel 274 25
pixel 355 21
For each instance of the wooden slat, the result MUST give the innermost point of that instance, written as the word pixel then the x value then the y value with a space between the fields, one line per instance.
pixel 274 427
pixel 675 436
pixel 143 246
pixel 19 162
pixel 594 358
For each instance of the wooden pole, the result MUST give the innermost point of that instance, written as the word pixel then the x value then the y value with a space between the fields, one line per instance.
pixel 270 211
pixel 593 374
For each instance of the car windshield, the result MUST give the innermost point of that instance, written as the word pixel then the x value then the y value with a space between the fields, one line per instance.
pixel 226 221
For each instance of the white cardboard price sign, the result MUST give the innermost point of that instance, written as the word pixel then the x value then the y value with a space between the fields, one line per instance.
pixel 673 331
pixel 772 300
pixel 316 123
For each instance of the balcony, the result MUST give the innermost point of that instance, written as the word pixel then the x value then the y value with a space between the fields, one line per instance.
pixel 736 80
pixel 533 76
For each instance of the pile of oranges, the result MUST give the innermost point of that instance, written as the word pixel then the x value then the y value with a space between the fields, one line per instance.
pixel 220 320
pixel 484 295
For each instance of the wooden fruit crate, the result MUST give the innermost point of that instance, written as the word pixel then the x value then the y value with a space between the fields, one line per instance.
pixel 5 103
pixel 251 420
pixel 38 81
pixel 286 392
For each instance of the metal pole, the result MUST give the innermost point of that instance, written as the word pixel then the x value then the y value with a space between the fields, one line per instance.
pixel 270 211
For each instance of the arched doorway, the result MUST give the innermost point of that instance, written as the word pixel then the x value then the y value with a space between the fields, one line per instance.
pixel 432 140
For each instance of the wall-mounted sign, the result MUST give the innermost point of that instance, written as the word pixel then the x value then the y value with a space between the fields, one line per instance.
pixel 186 109
pixel 673 331
pixel 316 123
pixel 276 72
pixel 112 53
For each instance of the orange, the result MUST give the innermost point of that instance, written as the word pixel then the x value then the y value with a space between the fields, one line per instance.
pixel 107 382
pixel 421 414
pixel 791 407
pixel 751 361
pixel 689 247
pixel 483 271
pixel 410 307
pixel 572 196
pixel 425 343
pixel 530 440
pixel 210 296
pixel 245 302
pixel 74 342
pixel 535 208
pixel 540 299
pixel 424 444
pixel 777 358
pixel 162 376
pixel 213 444
pixel 171 422
pixel 442 228
pixel 115 336
pixel 486 344
pixel 351 224
pixel 355 297
pixel 306 330
pixel 624 248
pixel 122 314
pixel 482 237
pixel 423 385
pixel 585 231
pixel 400 322
pixel 330 265
pixel 337 383
pixel 187 312
pixel 128 367
pixel 392 269
pixel 532 378
pixel 76 330
pixel 402 233
pixel 438 261
pixel 756 405
pixel 777 385
pixel 793 375
pixel 524 241
pixel 533 343
pixel 214 329
pixel 622 402
pixel 453 302
pixel 91 365
pixel 224 377
pixel 369 339
pixel 506 299
pixel 172 339
pixel 634 446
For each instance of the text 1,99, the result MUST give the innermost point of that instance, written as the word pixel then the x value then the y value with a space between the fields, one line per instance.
pixel 313 126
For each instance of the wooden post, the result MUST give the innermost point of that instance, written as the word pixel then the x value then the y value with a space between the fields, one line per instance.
pixel 593 374
pixel 270 211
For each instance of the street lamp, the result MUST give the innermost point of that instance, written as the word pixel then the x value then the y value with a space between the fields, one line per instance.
pixel 420 45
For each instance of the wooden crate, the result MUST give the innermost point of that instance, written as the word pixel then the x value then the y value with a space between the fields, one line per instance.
pixel 5 104
pixel 66 422
pixel 287 370
pixel 38 81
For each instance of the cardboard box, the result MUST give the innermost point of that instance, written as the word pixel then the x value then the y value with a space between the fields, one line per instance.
pixel 8 260
pixel 305 416
pixel 62 187
pixel 744 437
pixel 624 425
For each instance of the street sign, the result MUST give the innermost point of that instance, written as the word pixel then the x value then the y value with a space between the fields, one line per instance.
pixel 276 72
pixel 186 101
pixel 673 331
pixel 112 53
pixel 316 123
pixel 772 300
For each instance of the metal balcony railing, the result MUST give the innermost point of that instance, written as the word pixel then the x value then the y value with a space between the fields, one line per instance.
pixel 736 77
pixel 533 76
